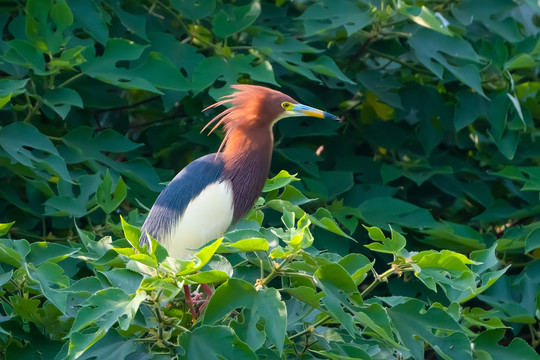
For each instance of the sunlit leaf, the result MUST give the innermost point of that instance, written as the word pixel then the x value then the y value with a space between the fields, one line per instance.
pixel 265 303
pixel 224 343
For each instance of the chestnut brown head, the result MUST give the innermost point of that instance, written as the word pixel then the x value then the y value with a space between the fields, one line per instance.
pixel 256 106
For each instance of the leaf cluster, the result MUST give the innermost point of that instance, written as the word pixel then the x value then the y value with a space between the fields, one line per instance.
pixel 290 301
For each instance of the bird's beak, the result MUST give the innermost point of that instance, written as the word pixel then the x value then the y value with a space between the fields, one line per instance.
pixel 304 110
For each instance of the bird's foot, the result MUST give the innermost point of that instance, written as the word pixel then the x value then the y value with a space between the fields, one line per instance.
pixel 198 302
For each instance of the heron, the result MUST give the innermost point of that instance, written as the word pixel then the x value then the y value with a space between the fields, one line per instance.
pixel 215 191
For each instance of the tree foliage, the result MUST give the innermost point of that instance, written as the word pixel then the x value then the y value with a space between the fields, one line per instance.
pixel 101 101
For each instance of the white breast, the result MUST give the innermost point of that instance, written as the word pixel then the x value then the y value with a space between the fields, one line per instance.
pixel 206 218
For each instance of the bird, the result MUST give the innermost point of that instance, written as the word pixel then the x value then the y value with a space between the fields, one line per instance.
pixel 215 191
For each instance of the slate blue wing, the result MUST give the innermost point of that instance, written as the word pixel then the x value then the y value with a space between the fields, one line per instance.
pixel 173 200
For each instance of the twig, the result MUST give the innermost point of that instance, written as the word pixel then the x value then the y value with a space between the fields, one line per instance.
pixel 125 107
pixel 399 61
pixel 311 328
pixel 378 279
pixel 71 79
pixel 361 50
pixel 275 271
pixel 297 274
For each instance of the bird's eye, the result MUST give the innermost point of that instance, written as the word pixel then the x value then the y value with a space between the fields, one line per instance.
pixel 286 105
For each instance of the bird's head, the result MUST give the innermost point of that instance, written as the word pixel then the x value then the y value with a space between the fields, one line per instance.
pixel 257 106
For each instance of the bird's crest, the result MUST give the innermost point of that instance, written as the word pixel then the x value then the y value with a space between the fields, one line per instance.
pixel 246 103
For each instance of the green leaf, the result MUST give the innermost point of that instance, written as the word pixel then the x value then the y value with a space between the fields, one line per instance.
pixel 108 199
pixel 106 141
pixel 233 19
pixel 470 106
pixel 288 219
pixel 357 265
pixel 182 55
pixel 507 144
pixel 279 181
pixel 200 259
pixel 423 16
pixel 481 317
pixel 384 87
pixel 326 66
pixel 447 269
pixel 299 237
pixel 38 151
pixel 307 295
pixel 162 73
pixel 521 61
pixel 4 228
pixel 351 351
pixel 376 320
pixel 111 345
pixel 42 251
pixel 484 260
pixel 338 286
pixel 264 304
pixel 51 280
pixel 25 308
pixel 65 206
pixel 208 277
pixel 533 240
pixel 14 252
pixel 23 53
pixel 517 106
pixel 518 349
pixel 214 343
pixel 82 149
pixel 380 211
pixel 4 278
pixel 104 68
pixel 243 329
pixel 89 243
pixel 131 233
pixel 104 309
pixel 323 16
pixel 391 245
pixel 414 325
pixel 288 53
pixel 10 88
pixel 45 35
pixel 447 232
pixel 375 233
pixel 134 23
pixel 194 9
pixel 60 100
pixel 323 219
pixel 430 46
pixel 61 15
pixel 4 100
pixel 211 69
pixel 91 17
pixel 126 280
pixel 244 240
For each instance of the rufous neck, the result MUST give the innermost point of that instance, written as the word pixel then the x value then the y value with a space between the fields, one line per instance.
pixel 251 143
pixel 247 163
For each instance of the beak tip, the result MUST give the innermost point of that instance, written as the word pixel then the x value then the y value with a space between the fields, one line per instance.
pixel 331 116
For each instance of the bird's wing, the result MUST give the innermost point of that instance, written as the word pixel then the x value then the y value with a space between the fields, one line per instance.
pixel 174 199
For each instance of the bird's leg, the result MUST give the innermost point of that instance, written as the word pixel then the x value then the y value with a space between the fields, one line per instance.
pixel 195 305
pixel 189 301
pixel 209 293
pixel 207 290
